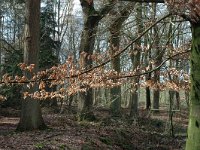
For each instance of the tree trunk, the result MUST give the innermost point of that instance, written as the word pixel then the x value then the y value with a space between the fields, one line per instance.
pixel 148 98
pixel 147 57
pixel 135 58
pixel 86 47
pixel 148 77
pixel 115 92
pixel 156 92
pixel 193 141
pixel 115 29
pixel 158 60
pixel 1 37
pixel 31 116
pixel 91 21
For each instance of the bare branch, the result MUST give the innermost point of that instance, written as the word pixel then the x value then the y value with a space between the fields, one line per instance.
pixel 104 63
pixel 156 68
pixel 131 43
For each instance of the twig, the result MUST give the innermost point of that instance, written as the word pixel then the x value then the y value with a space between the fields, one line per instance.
pixel 106 62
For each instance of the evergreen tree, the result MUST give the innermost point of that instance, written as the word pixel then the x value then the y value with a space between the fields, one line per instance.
pixel 48 46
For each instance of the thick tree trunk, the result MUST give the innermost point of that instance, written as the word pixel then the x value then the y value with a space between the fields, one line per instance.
pixel 148 98
pixel 116 101
pixel 115 92
pixel 85 106
pixel 87 46
pixel 31 116
pixel 135 58
pixel 91 20
pixel 158 60
pixel 148 93
pixel 156 95
pixel 1 37
pixel 115 29
pixel 177 100
pixel 147 57
pixel 193 141
pixel 134 104
pixel 156 92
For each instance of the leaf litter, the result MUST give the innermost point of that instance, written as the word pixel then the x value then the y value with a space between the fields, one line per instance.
pixel 107 133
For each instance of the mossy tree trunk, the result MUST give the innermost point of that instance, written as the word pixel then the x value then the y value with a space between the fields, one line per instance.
pixel 158 60
pixel 148 77
pixel 193 141
pixel 1 36
pixel 147 58
pixel 177 94
pixel 91 21
pixel 31 116
pixel 135 58
pixel 115 33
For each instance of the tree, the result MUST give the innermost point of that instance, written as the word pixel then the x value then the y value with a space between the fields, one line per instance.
pixel 135 59
pixel 66 21
pixel 147 57
pixel 48 45
pixel 193 141
pixel 31 116
pixel 11 24
pixel 115 34
pixel 189 10
pixel 91 21
pixel 158 60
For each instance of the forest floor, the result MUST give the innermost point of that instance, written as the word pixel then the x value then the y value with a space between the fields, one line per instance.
pixel 149 132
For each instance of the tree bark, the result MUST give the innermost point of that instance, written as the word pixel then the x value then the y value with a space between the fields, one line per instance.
pixel 86 49
pixel 147 57
pixel 115 30
pixel 31 116
pixel 193 141
pixel 156 92
pixel 158 60
pixel 148 98
pixel 135 58
pixel 91 21
pixel 1 36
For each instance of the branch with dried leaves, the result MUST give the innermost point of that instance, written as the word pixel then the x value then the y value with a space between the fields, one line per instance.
pixel 24 80
pixel 129 45
pixel 95 67
pixel 69 81
pixel 156 68
pixel 39 78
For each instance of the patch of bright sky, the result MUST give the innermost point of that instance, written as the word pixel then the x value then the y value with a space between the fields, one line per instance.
pixel 77 6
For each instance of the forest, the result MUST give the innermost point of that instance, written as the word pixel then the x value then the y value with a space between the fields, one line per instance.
pixel 99 74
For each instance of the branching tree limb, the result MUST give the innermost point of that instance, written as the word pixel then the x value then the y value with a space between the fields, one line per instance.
pixel 104 63
pixel 123 50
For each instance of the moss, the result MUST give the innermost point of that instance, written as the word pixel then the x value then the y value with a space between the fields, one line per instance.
pixel 39 146
pixel 193 141
pixel 106 140
pixel 87 147
pixel 121 136
pixel 63 147
pixel 88 116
